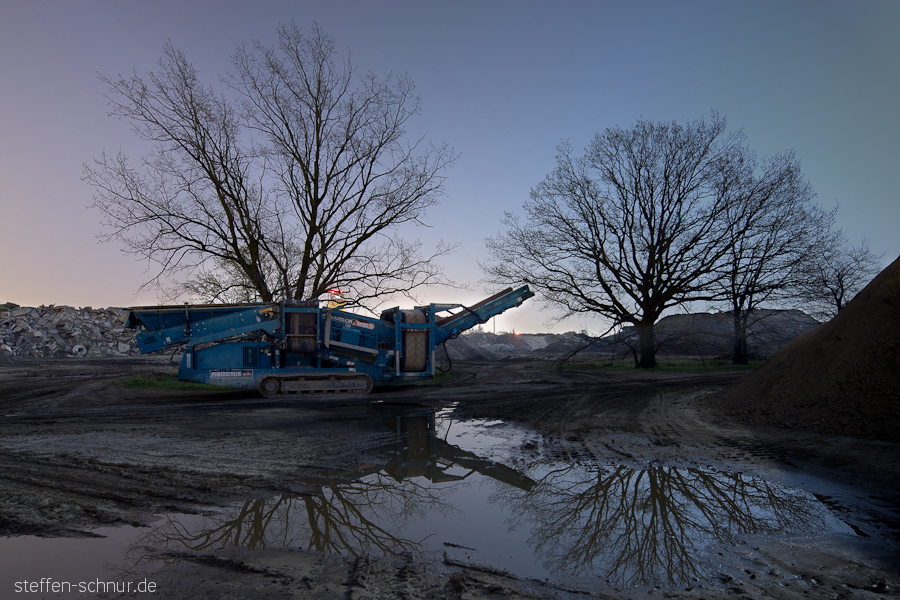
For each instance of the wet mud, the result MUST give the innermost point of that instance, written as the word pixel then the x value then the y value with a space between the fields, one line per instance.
pixel 509 480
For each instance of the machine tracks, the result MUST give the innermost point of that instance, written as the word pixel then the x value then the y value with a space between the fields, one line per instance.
pixel 282 386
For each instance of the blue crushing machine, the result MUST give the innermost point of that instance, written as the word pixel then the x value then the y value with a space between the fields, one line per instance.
pixel 300 347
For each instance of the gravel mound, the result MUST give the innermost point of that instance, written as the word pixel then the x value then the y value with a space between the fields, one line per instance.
pixel 841 378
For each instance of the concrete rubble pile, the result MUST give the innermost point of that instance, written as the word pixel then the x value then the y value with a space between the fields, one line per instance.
pixel 64 331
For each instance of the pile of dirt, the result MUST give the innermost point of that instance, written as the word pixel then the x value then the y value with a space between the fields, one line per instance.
pixel 712 334
pixel 841 378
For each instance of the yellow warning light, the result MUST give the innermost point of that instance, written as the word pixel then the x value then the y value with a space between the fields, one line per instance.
pixel 336 298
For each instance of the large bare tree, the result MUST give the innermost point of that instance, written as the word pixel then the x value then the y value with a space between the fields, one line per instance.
pixel 627 230
pixel 291 176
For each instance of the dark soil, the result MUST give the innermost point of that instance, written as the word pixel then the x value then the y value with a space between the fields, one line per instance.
pixel 78 449
pixel 841 378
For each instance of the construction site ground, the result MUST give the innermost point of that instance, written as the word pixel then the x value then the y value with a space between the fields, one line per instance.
pixel 80 450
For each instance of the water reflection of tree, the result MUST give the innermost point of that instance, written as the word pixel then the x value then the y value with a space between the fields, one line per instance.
pixel 356 517
pixel 359 510
pixel 647 526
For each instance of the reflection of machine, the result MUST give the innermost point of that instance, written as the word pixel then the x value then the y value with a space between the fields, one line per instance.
pixel 287 348
pixel 416 451
pixel 420 453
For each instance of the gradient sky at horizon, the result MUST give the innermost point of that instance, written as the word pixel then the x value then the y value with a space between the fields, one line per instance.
pixel 502 82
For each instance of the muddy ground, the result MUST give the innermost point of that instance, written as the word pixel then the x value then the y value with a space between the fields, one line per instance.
pixel 79 449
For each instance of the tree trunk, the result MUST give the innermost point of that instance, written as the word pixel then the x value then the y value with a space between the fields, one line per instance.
pixel 648 346
pixel 740 338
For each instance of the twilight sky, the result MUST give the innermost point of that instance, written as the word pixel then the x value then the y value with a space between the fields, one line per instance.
pixel 503 82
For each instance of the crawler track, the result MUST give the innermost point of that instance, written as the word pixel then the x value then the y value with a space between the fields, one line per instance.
pixel 318 384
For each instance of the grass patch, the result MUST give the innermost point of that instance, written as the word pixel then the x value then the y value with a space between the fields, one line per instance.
pixel 667 366
pixel 169 381
pixel 442 377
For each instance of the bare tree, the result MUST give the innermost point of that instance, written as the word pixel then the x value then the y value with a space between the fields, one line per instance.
pixel 772 229
pixel 629 229
pixel 835 273
pixel 291 178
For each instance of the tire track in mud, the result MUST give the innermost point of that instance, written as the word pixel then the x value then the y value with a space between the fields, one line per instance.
pixel 78 451
pixel 70 495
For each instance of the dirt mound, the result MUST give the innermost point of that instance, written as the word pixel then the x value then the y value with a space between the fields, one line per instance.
pixel 712 334
pixel 462 349
pixel 841 378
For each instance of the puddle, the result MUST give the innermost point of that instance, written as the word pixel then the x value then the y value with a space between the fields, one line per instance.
pixel 67 567
pixel 436 486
